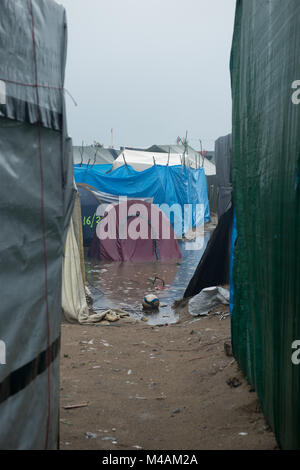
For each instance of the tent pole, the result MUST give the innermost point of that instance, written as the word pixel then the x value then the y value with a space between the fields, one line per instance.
pixel 81 154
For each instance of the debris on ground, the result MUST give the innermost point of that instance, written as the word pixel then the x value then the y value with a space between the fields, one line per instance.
pixel 202 304
pixel 72 407
pixel 228 348
pixel 91 435
pixel 234 382
pixel 88 296
pixel 161 285
pixel 150 302
pixel 108 316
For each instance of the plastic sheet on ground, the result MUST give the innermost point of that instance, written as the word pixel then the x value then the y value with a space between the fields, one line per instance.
pixel 207 300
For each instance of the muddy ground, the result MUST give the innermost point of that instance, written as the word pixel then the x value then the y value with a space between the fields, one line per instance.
pixel 156 387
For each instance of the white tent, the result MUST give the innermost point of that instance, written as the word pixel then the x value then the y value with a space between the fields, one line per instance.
pixel 141 160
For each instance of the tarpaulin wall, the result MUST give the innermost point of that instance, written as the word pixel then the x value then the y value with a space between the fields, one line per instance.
pixel 165 184
pixel 36 201
pixel 266 164
pixel 212 190
pixel 223 147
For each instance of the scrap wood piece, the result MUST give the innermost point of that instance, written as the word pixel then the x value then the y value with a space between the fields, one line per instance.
pixel 199 358
pixel 183 350
pixel 229 364
pixel 79 405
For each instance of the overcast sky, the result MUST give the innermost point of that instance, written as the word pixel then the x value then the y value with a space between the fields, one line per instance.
pixel 149 69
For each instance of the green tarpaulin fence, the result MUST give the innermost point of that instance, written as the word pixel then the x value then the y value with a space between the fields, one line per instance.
pixel 265 63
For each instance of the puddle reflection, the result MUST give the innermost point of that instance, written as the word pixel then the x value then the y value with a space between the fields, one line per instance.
pixel 124 284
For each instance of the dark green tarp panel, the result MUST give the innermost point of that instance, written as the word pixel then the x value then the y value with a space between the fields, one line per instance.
pixel 265 63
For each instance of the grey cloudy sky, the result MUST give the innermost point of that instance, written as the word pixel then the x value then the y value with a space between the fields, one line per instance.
pixel 149 69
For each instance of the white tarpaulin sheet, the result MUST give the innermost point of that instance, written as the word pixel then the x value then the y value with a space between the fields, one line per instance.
pixel 207 300
pixel 140 160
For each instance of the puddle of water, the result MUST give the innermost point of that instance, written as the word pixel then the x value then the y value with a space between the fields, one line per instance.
pixel 124 284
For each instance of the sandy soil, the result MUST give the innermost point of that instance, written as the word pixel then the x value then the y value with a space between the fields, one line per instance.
pixel 156 388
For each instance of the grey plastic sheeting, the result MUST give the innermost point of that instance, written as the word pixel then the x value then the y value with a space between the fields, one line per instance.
pixel 17 67
pixel 209 298
pixel 93 155
pixel 223 150
pixel 36 180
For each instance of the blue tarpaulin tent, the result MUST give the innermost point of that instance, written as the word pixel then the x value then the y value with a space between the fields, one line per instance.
pixel 165 184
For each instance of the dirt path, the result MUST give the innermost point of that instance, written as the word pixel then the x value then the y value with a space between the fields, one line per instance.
pixel 156 388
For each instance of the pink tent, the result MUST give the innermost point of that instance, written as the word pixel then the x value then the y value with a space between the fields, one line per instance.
pixel 134 230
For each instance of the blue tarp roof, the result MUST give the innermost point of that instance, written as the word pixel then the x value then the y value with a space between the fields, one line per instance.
pixel 165 184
